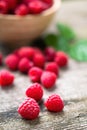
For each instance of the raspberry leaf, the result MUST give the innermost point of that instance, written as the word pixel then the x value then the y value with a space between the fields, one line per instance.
pixel 78 51
pixel 51 39
pixel 66 32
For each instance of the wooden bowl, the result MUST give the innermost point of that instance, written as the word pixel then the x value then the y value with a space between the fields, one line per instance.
pixel 26 28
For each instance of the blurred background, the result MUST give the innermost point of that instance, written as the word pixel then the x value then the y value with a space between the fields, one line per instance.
pixel 73 13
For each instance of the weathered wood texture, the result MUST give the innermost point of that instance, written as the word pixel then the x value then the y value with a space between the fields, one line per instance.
pixel 71 86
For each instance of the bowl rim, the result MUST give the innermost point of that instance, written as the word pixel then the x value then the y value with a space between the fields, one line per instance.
pixel 54 8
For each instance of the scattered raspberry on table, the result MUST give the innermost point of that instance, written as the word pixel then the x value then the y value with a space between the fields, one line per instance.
pixel 6 78
pixel 29 109
pixel 24 65
pixel 61 58
pixel 48 79
pixel 49 53
pixel 52 67
pixel 35 74
pixel 12 61
pixel 54 103
pixel 39 60
pixel 35 91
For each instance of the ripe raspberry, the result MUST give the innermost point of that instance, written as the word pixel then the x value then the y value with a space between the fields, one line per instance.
pixel 39 60
pixel 35 91
pixel 35 74
pixel 54 103
pixel 61 58
pixel 27 1
pixel 35 6
pixel 12 61
pixel 48 79
pixel 29 109
pixel 1 58
pixel 21 10
pixel 27 52
pixel 49 53
pixel 6 78
pixel 24 65
pixel 3 7
pixel 11 4
pixel 49 2
pixel 52 67
pixel 37 50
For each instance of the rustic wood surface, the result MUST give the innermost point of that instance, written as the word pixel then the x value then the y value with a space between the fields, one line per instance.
pixel 71 86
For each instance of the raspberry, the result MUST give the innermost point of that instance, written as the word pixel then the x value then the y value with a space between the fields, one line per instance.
pixel 27 1
pixel 27 52
pixel 54 103
pixel 3 7
pixel 37 50
pixel 21 10
pixel 48 79
pixel 1 58
pixel 49 2
pixel 39 60
pixel 35 74
pixel 24 65
pixel 12 61
pixel 35 6
pixel 52 67
pixel 29 109
pixel 6 78
pixel 35 91
pixel 49 53
pixel 61 58
pixel 11 4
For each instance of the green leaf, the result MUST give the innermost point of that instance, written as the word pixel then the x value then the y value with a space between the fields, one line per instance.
pixel 58 42
pixel 78 51
pixel 66 32
pixel 62 44
pixel 51 39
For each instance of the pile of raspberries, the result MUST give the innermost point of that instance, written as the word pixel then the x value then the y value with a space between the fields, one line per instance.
pixel 42 69
pixel 24 7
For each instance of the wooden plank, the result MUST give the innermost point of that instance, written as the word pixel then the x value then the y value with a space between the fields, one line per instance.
pixel 71 86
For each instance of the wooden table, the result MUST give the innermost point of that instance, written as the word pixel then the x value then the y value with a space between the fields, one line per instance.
pixel 71 86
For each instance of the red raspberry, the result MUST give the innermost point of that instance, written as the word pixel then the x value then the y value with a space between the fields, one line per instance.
pixel 50 53
pixel 61 58
pixel 1 58
pixel 54 103
pixel 39 60
pixel 49 2
pixel 3 7
pixel 12 62
pixel 29 109
pixel 6 78
pixel 11 4
pixel 35 91
pixel 35 6
pixel 48 79
pixel 21 10
pixel 52 67
pixel 37 50
pixel 24 65
pixel 35 74
pixel 27 1
pixel 27 52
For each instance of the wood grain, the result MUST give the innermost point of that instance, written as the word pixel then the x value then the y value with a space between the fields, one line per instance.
pixel 71 86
